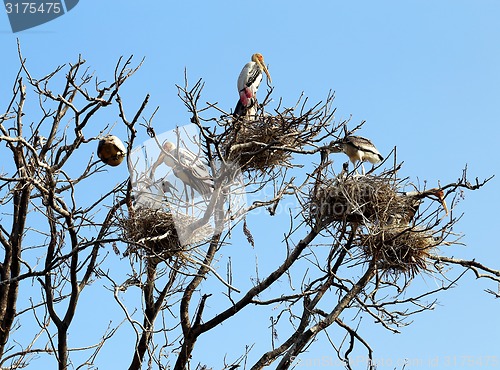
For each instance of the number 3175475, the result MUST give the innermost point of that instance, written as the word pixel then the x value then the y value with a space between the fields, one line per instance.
pixel 32 8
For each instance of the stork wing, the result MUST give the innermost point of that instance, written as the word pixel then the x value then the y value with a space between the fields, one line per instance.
pixel 254 76
pixel 362 143
pixel 193 171
pixel 250 76
pixel 189 159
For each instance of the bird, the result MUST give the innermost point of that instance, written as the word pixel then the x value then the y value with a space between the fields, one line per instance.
pixel 166 186
pixel 111 150
pixel 186 166
pixel 416 197
pixel 358 149
pixel 411 202
pixel 248 83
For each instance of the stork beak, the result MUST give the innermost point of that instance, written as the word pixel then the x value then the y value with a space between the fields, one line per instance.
pixel 267 73
pixel 335 147
pixel 440 194
pixel 260 61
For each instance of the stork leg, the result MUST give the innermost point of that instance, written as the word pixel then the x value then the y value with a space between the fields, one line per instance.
pixel 192 200
pixel 356 165
pixel 187 198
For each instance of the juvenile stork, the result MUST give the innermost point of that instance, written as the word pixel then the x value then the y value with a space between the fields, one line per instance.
pixel 248 84
pixel 358 149
pixel 111 151
pixel 187 167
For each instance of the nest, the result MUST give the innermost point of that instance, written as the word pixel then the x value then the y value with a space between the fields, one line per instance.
pixel 154 233
pixel 361 199
pixel 398 249
pixel 265 142
pixel 384 215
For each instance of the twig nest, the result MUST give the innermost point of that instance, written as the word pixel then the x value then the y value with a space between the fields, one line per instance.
pixel 398 249
pixel 111 150
pixel 265 141
pixel 154 233
pixel 383 216
pixel 360 199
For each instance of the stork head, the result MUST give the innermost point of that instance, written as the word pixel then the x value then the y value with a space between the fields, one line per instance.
pixel 259 59
pixel 439 193
pixel 337 146
pixel 168 146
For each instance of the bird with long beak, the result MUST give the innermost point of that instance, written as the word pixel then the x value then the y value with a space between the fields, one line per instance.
pixel 416 198
pixel 358 149
pixel 248 84
pixel 111 150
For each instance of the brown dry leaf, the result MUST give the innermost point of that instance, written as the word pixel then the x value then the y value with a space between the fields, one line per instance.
pixel 248 234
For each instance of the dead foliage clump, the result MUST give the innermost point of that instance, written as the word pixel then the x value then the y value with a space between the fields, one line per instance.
pixel 155 233
pixel 266 141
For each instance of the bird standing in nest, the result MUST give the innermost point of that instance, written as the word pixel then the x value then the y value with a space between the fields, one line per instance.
pixel 248 84
pixel 111 150
pixel 358 149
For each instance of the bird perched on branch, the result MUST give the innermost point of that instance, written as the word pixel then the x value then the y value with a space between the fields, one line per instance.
pixel 416 199
pixel 111 150
pixel 248 84
pixel 358 149
pixel 187 167
pixel 410 203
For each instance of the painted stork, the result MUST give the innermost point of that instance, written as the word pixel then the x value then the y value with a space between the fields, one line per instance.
pixel 416 200
pixel 358 149
pixel 187 167
pixel 248 84
pixel 111 150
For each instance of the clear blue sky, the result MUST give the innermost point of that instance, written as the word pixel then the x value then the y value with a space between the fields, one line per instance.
pixel 424 74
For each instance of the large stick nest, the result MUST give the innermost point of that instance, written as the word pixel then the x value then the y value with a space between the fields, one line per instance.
pixel 360 199
pixel 399 249
pixel 154 233
pixel 384 216
pixel 267 141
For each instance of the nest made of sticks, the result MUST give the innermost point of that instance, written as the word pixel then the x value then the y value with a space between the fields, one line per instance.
pixel 398 249
pixel 360 199
pixel 154 233
pixel 384 217
pixel 266 141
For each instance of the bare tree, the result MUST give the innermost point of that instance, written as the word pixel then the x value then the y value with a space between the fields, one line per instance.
pixel 52 236
pixel 353 242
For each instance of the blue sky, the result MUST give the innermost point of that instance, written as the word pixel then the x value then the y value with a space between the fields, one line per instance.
pixel 425 75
